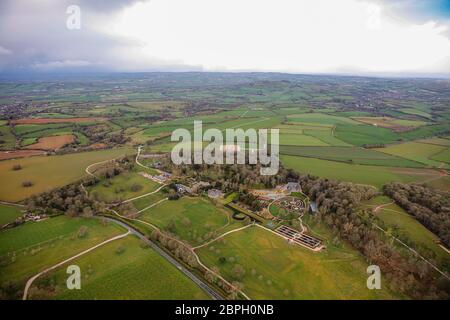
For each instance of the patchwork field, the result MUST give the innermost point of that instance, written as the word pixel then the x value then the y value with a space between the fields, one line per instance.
pixel 48 172
pixel 419 152
pixel 34 246
pixel 397 125
pixel 350 155
pixel 56 120
pixel 192 219
pixel 376 176
pixel 275 269
pixel 123 269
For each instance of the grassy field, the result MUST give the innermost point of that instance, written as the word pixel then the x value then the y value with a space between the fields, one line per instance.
pixel 350 155
pixel 327 137
pixel 300 140
pixel 7 139
pixel 403 224
pixel 121 187
pixel 48 172
pixel 359 135
pixel 376 176
pixel 419 152
pixel 320 118
pixel 416 112
pixel 276 270
pixel 35 246
pixel 192 219
pixel 9 214
pixel 124 269
pixel 144 202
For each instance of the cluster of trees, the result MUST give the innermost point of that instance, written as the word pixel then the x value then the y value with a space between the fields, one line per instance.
pixel 182 252
pixel 250 200
pixel 338 208
pixel 373 145
pixel 234 177
pixel 71 200
pixel 430 207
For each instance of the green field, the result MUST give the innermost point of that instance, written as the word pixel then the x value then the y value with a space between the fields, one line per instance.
pixel 34 246
pixel 376 176
pixel 327 137
pixel 277 270
pixel 350 155
pixel 320 118
pixel 49 172
pixel 359 135
pixel 119 188
pixel 192 219
pixel 416 112
pixel 419 152
pixel 300 140
pixel 9 213
pixel 7 139
pixel 144 202
pixel 123 269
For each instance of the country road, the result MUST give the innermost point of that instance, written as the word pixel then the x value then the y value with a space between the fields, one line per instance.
pixel 211 292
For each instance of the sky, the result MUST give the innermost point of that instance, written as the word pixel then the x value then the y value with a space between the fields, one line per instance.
pixel 397 37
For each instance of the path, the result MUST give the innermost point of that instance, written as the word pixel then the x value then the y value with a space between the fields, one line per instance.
pixel 12 204
pixel 377 208
pixel 152 205
pixel 221 236
pixel 31 280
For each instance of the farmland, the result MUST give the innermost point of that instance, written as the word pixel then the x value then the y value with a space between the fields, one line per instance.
pixel 48 172
pixel 372 175
pixel 211 219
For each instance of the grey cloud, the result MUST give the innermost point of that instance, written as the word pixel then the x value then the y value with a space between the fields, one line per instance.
pixel 34 33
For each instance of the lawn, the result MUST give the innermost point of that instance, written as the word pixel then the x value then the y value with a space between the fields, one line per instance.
pixel 120 187
pixel 275 269
pixel 192 219
pixel 420 152
pixel 49 172
pixel 9 214
pixel 34 246
pixel 123 269
pixel 376 176
pixel 144 202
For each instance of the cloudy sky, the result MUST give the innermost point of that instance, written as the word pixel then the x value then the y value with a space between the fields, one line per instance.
pixel 298 36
